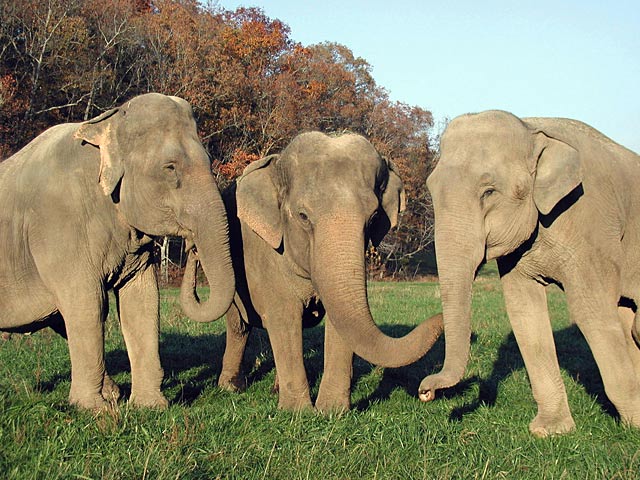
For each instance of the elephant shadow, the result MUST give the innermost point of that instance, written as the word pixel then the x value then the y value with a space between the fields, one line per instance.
pixel 203 355
pixel 180 354
pixel 192 364
pixel 407 378
pixel 116 362
pixel 574 357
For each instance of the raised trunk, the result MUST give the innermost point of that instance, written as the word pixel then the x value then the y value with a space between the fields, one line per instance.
pixel 211 239
pixel 459 252
pixel 338 273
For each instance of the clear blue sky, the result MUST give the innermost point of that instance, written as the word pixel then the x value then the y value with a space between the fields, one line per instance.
pixel 562 58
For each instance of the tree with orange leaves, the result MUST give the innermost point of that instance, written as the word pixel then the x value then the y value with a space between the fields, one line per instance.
pixel 253 88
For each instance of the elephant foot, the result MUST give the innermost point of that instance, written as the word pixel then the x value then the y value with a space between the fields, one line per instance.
pixel 149 400
pixel 630 416
pixel 295 403
pixel 93 402
pixel 295 406
pixel 541 428
pixel 333 405
pixel 110 390
pixel 333 398
pixel 232 383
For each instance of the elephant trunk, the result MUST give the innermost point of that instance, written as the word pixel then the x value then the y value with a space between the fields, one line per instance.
pixel 338 272
pixel 459 253
pixel 211 237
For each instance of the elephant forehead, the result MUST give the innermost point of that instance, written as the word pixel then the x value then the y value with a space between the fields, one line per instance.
pixel 155 116
pixel 312 147
pixel 484 144
pixel 152 102
pixel 321 169
pixel 482 137
pixel 343 186
pixel 488 120
pixel 324 193
pixel 483 150
pixel 327 168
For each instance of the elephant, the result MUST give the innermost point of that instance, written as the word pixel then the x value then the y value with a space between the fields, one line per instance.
pixel 299 224
pixel 552 200
pixel 81 203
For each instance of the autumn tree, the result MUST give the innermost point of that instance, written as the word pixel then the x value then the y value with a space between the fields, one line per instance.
pixel 36 41
pixel 252 87
pixel 249 88
pixel 67 60
pixel 114 66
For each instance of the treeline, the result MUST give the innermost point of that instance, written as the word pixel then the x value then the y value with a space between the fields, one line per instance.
pixel 251 85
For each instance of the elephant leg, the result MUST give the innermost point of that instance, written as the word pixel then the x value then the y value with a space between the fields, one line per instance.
pixel 110 390
pixel 231 377
pixel 335 387
pixel 84 314
pixel 526 302
pixel 285 333
pixel 627 319
pixel 138 308
pixel 598 319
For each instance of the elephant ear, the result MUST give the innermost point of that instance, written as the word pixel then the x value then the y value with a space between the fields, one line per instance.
pixel 558 172
pixel 100 131
pixel 393 202
pixel 257 200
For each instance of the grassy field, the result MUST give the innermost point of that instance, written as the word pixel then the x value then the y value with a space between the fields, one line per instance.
pixel 476 430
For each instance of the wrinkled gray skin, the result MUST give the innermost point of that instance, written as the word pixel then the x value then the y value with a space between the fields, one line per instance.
pixel 305 217
pixel 553 200
pixel 79 205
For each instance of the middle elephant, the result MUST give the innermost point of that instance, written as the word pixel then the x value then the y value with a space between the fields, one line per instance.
pixel 300 223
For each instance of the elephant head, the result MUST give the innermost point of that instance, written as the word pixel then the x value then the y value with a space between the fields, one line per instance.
pixel 319 203
pixel 497 176
pixel 157 173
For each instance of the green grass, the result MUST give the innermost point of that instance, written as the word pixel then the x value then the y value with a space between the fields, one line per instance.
pixel 475 430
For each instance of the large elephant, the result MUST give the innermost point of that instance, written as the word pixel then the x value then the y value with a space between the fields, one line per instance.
pixel 79 206
pixel 553 200
pixel 304 219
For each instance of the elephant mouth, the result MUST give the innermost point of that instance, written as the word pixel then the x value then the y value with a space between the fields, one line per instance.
pixel 185 232
pixel 296 269
pixel 498 249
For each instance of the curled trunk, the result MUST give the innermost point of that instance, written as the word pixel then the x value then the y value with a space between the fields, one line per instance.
pixel 212 242
pixel 338 272
pixel 458 253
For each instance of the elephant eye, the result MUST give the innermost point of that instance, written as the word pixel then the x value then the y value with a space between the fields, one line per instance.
pixel 171 174
pixel 488 192
pixel 303 216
